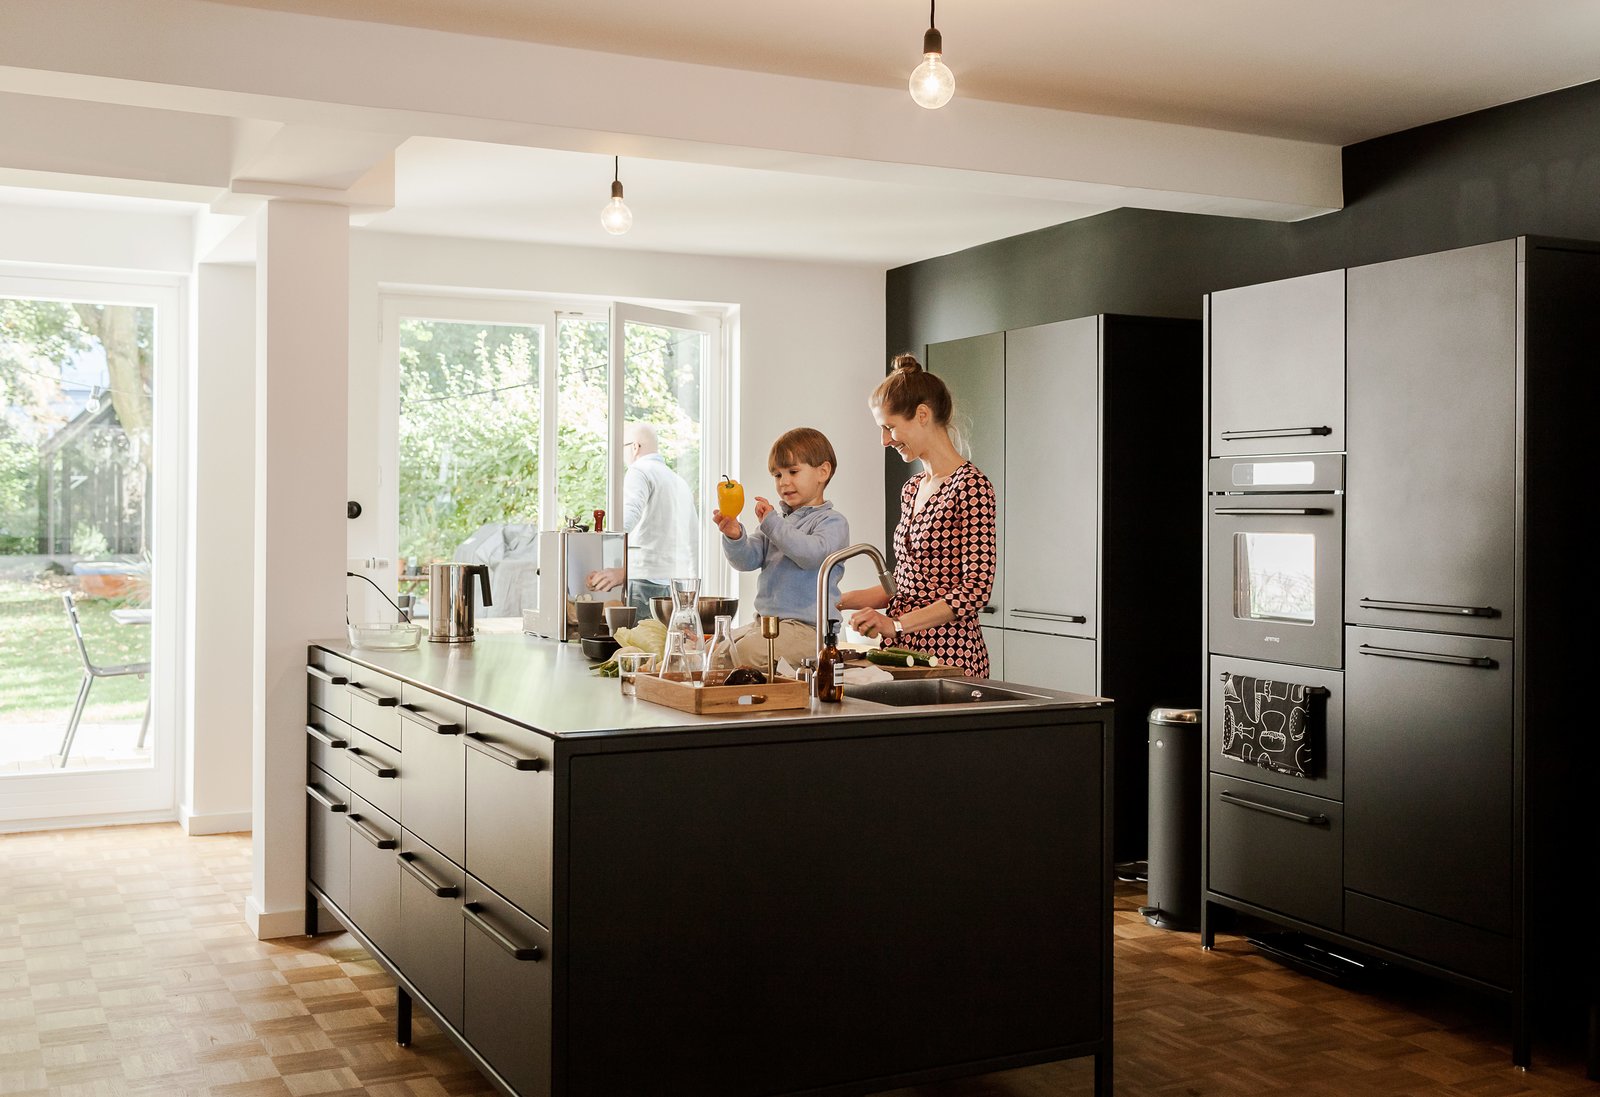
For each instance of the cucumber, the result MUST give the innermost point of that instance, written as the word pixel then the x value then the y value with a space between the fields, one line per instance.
pixel 901 657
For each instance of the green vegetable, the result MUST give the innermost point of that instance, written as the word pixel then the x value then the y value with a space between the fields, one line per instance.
pixel 901 657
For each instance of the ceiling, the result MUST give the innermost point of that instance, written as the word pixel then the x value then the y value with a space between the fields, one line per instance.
pixel 748 129
pixel 1328 72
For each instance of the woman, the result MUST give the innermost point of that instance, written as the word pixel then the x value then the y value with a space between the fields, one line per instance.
pixel 944 546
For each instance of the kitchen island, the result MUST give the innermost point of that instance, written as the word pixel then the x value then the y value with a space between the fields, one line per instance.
pixel 599 896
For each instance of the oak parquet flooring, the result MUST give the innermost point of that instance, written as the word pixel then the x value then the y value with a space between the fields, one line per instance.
pixel 126 969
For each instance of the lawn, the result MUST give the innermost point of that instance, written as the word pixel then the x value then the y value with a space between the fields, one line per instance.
pixel 39 665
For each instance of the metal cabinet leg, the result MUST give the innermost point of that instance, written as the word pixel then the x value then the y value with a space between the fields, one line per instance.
pixel 1208 931
pixel 1102 1073
pixel 1521 1033
pixel 402 1017
pixel 311 915
pixel 1594 1041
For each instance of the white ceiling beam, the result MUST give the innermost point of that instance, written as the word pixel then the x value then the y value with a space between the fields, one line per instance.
pixel 246 63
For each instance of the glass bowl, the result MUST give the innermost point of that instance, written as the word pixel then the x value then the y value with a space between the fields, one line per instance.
pixel 385 637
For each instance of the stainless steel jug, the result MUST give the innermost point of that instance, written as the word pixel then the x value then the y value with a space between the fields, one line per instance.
pixel 451 609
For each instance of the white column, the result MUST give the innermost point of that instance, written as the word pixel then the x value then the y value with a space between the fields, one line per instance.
pixel 302 340
pixel 215 787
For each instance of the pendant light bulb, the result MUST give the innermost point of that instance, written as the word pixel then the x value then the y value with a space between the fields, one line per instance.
pixel 932 82
pixel 616 218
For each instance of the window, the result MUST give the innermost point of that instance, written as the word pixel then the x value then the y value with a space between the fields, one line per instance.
pixel 511 415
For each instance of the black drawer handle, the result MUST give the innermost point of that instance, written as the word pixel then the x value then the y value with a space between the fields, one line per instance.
pixel 331 679
pixel 1283 432
pixel 440 727
pixel 1282 813
pixel 371 695
pixel 1429 607
pixel 370 766
pixel 502 755
pixel 518 952
pixel 408 861
pixel 1428 656
pixel 1293 512
pixel 990 609
pixel 1046 615
pixel 376 837
pixel 325 800
pixel 324 738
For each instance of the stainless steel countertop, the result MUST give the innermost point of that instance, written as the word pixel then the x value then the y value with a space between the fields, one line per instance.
pixel 551 687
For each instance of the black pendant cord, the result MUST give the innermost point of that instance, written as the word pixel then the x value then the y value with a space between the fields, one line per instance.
pixel 616 169
pixel 931 21
pixel 405 618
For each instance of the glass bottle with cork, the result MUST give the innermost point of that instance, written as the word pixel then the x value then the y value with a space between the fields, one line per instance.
pixel 828 679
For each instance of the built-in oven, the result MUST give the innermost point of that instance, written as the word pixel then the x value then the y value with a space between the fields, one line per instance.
pixel 1276 558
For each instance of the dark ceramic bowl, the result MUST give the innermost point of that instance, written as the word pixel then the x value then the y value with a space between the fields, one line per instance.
pixel 591 618
pixel 599 647
pixel 710 609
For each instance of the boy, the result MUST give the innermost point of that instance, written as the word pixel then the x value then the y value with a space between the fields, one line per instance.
pixel 787 546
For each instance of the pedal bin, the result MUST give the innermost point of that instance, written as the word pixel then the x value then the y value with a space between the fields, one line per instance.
pixel 1174 842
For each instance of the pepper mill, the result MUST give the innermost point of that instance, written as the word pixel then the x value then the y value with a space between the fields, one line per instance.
pixel 769 632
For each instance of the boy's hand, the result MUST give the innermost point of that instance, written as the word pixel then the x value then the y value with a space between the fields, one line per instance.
pixel 730 527
pixel 763 508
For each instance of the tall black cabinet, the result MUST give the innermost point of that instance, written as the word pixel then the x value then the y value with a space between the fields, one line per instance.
pixel 1446 827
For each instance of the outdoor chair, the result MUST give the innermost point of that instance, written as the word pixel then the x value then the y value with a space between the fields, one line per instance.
pixel 91 671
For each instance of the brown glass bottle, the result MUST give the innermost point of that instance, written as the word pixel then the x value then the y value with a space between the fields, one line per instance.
pixel 829 676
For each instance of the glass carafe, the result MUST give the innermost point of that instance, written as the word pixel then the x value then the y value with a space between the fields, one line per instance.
pixel 684 656
pixel 720 660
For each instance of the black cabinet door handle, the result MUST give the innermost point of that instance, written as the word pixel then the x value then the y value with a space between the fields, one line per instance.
pixel 990 609
pixel 518 952
pixel 1427 656
pixel 331 679
pixel 1046 615
pixel 1281 432
pixel 1429 607
pixel 1268 809
pixel 324 738
pixel 376 837
pixel 502 755
pixel 408 861
pixel 325 800
pixel 370 766
pixel 1292 512
pixel 440 727
pixel 371 695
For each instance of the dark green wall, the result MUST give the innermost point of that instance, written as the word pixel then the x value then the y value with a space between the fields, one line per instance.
pixel 1531 167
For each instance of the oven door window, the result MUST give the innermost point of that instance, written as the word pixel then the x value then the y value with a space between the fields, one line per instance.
pixel 1274 577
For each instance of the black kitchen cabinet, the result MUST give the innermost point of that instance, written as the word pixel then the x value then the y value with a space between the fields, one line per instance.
pixel 1277 355
pixel 1430 773
pixel 374 875
pixel 1432 470
pixel 431 934
pixel 433 771
pixel 328 836
pixel 507 1010
pixel 510 797
pixel 1277 849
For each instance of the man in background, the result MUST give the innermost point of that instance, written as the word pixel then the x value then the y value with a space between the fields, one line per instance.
pixel 659 517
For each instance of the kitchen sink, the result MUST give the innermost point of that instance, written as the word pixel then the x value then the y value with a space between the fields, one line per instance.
pixel 935 691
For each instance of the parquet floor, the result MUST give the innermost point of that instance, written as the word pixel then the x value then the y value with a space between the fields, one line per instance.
pixel 126 968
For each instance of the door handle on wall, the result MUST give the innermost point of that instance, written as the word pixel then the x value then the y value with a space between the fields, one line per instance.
pixel 1283 432
pixel 1046 615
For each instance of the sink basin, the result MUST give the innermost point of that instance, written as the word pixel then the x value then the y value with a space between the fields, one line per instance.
pixel 936 691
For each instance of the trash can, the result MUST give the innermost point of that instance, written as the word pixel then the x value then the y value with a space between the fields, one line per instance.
pixel 1174 841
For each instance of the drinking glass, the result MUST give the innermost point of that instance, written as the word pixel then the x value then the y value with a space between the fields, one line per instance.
pixel 683 660
pixel 631 664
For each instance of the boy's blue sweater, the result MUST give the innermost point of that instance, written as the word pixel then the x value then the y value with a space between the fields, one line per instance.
pixel 788 548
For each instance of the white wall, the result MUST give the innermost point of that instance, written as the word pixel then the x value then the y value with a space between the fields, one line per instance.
pixel 809 347
pixel 64 236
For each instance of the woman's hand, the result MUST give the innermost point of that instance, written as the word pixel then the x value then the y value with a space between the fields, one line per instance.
pixel 729 525
pixel 873 624
pixel 763 507
pixel 605 579
pixel 865 598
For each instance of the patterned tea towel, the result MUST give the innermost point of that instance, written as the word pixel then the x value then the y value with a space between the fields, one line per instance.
pixel 1268 724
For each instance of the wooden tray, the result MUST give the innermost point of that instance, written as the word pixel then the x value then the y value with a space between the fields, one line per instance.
pixel 781 693
pixel 910 672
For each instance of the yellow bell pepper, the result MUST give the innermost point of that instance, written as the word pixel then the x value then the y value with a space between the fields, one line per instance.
pixel 730 497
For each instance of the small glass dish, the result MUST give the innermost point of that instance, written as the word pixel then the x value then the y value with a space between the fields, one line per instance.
pixel 385 637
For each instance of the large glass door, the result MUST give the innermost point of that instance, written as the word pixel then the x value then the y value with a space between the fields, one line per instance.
pixel 90 521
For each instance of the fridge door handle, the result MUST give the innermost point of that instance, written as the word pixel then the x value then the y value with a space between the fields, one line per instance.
pixel 1281 432
pixel 1428 656
pixel 1429 607
pixel 1294 512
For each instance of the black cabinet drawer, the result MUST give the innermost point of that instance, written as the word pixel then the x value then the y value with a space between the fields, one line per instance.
pixel 508 994
pixel 510 798
pixel 431 926
pixel 433 782
pixel 326 676
pixel 1276 849
pixel 1433 940
pixel 374 876
pixel 375 773
pixel 328 837
pixel 375 704
pixel 1326 730
pixel 326 743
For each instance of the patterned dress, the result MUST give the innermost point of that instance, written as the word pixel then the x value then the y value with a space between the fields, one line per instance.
pixel 947 550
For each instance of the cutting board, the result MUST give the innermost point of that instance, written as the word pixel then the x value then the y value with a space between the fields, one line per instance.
pixel 908 672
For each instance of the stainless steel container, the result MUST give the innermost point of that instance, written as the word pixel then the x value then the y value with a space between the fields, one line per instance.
pixel 452 612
